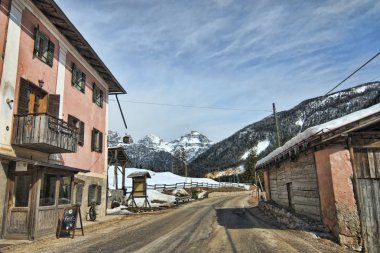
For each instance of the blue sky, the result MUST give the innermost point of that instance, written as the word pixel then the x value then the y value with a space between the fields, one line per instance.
pixel 225 53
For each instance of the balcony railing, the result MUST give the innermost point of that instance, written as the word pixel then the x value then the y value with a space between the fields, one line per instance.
pixel 44 133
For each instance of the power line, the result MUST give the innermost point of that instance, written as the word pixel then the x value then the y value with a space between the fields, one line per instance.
pixel 192 106
pixel 353 73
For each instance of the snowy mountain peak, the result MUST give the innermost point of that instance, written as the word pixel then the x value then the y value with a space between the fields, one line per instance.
pixel 151 139
pixel 154 153
pixel 191 139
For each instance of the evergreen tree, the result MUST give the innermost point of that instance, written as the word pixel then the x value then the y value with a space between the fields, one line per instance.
pixel 179 161
pixel 250 167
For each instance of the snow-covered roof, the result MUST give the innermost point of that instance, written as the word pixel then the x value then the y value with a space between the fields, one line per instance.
pixel 139 174
pixel 319 130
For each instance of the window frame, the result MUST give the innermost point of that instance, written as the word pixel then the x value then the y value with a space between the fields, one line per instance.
pixel 94 191
pixel 97 95
pixel 60 181
pixel 80 125
pixel 44 51
pixel 96 140
pixel 42 188
pixel 78 78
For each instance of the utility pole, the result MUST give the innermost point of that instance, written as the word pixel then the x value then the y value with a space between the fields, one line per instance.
pixel 276 123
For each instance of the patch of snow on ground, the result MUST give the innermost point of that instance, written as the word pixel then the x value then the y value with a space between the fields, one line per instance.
pixel 157 178
pixel 260 147
pixel 323 128
pixel 118 210
pixel 360 89
pixel 299 122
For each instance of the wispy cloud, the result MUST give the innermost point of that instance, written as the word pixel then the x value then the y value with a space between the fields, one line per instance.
pixel 225 53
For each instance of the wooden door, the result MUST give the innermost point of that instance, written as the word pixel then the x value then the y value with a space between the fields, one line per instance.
pixel 19 203
pixel 367 171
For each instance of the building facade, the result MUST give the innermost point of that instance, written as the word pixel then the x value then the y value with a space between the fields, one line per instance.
pixel 53 119
pixel 331 173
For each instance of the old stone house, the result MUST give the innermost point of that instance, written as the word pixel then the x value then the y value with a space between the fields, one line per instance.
pixel 331 173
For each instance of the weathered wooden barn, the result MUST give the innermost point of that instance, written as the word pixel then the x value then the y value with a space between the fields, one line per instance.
pixel 331 173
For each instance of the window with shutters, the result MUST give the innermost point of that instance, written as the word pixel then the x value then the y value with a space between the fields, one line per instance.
pixel 73 121
pixel 97 95
pixel 43 47
pixel 78 79
pixel 32 99
pixel 97 141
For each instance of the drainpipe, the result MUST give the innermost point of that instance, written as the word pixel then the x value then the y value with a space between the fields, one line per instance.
pixel 5 37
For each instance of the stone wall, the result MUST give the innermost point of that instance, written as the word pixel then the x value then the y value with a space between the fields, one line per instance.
pixel 301 178
pixel 89 179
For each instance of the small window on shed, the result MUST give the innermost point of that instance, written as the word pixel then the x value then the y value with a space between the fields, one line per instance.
pixel 78 79
pixel 94 194
pixel 97 95
pixel 43 47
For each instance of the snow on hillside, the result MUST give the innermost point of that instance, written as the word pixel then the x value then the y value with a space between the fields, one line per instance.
pixel 157 178
pixel 323 128
pixel 260 147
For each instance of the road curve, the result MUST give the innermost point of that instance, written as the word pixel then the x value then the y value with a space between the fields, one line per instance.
pixel 220 224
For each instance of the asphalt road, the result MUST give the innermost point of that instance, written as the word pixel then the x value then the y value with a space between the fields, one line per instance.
pixel 221 224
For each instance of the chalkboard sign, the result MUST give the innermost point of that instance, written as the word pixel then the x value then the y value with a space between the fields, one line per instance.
pixel 68 220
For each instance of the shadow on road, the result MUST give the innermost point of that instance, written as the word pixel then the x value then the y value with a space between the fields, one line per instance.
pixel 241 218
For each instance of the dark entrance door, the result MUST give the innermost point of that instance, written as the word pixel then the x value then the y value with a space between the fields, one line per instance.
pixel 19 206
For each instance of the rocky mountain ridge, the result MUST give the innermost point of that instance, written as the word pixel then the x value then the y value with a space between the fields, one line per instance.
pixel 261 135
pixel 152 152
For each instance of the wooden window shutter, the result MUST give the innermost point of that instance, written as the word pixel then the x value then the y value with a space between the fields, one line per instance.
pixel 50 53
pixel 93 135
pixel 100 148
pixel 81 133
pixel 101 98
pixel 53 105
pixel 74 76
pixel 83 82
pixel 23 97
pixel 36 41
pixel 99 195
pixel 94 91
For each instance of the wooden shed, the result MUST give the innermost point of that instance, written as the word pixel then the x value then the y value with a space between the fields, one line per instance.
pixel 331 173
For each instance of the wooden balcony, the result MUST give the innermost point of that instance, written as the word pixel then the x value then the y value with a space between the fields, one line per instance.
pixel 44 133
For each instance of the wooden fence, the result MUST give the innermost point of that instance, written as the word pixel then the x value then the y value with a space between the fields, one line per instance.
pixel 183 185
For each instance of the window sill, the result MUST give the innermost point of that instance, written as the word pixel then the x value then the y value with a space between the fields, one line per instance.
pixel 42 60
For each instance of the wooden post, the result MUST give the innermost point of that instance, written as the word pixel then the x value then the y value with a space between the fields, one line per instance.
pixel 123 177
pixel 115 165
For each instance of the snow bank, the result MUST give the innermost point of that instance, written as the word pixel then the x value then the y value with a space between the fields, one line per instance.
pixel 320 129
pixel 118 210
pixel 157 178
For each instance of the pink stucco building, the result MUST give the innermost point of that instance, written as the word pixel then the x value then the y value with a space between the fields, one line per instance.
pixel 53 119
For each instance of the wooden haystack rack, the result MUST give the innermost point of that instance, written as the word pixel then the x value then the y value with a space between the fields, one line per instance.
pixel 139 187
pixel 118 158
